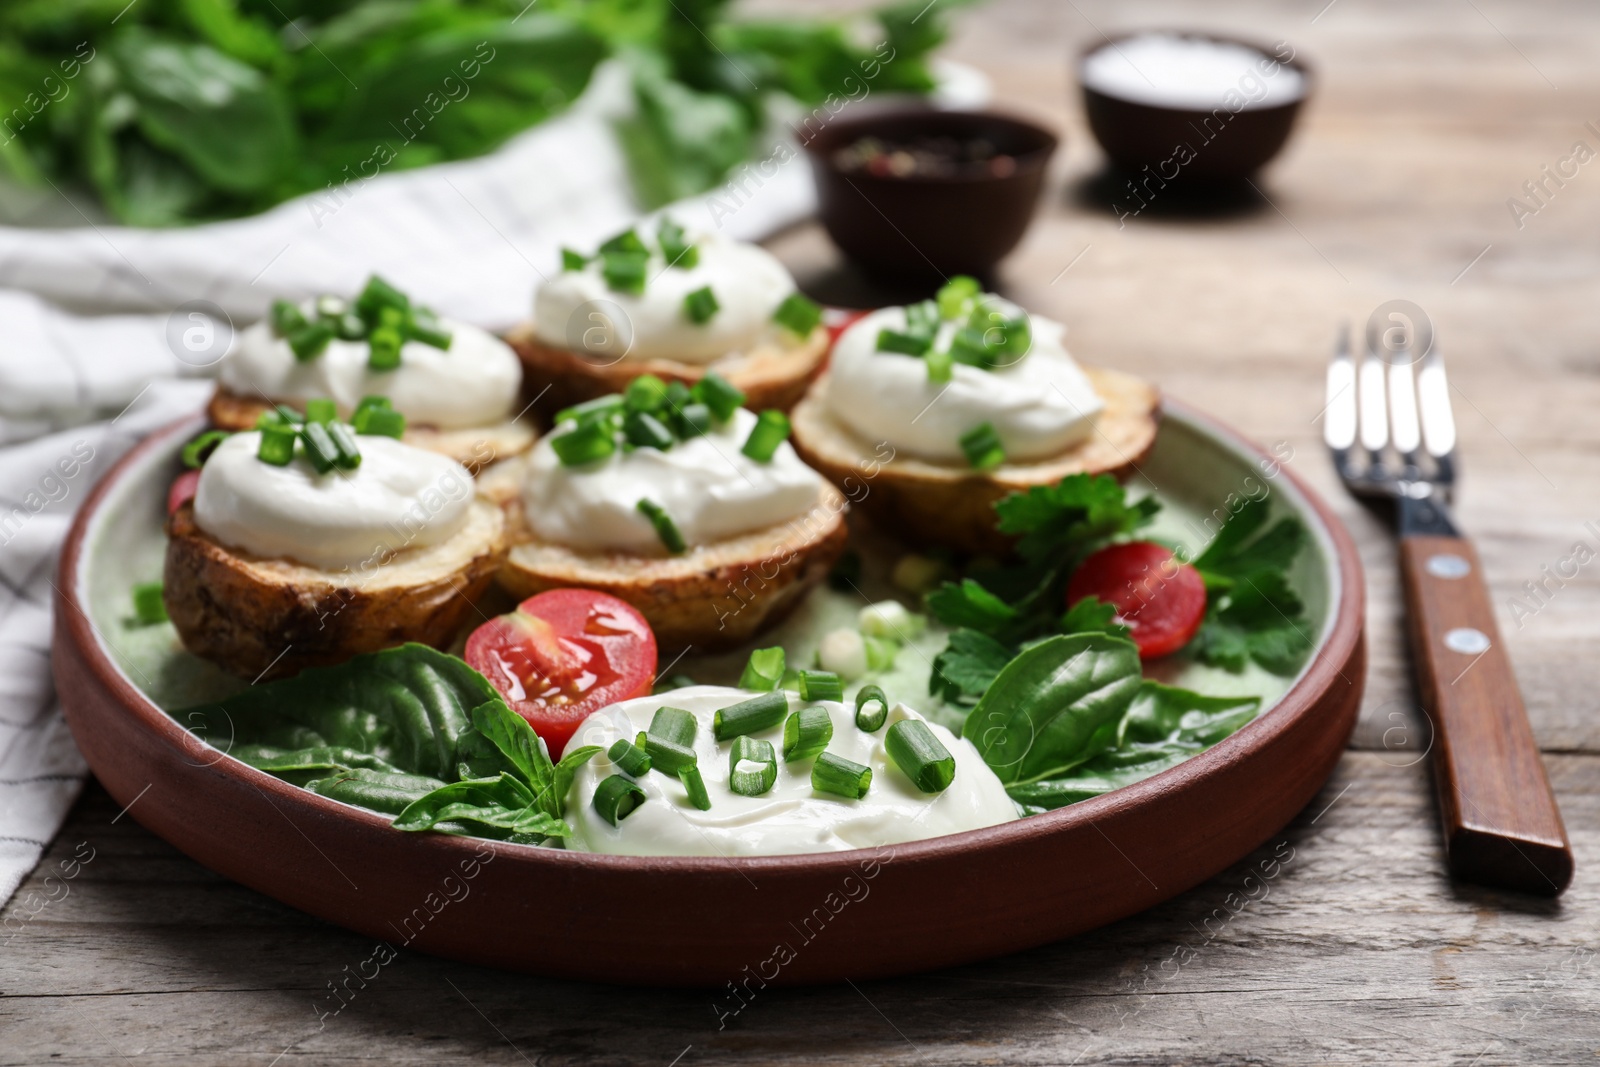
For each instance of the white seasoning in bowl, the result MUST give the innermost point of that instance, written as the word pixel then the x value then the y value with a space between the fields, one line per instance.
pixel 1198 73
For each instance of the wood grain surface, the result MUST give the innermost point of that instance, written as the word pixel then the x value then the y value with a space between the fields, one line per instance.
pixel 1340 941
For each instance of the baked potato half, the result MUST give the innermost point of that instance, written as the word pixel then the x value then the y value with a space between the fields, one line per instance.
pixel 772 376
pixel 948 506
pixel 268 618
pixel 474 447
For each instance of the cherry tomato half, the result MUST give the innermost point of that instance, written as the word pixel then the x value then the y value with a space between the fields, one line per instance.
pixel 1161 599
pixel 562 655
pixel 182 491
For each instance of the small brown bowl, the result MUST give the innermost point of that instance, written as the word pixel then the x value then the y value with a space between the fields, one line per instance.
pixel 929 225
pixel 1225 144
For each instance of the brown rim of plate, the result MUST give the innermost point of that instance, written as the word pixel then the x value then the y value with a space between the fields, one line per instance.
pixel 1318 674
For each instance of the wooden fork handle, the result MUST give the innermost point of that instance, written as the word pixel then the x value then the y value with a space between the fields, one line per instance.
pixel 1501 823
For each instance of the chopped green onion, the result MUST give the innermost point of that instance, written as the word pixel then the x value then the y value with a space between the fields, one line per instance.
pixel 1016 336
pixel 693 420
pixel 673 724
pixel 599 406
pixel 806 733
pixel 921 755
pixel 982 446
pixel 350 327
pixel 287 318
pixel 668 757
pixel 383 348
pixel 841 777
pixel 666 529
pixel 750 781
pixel 277 444
pixel 968 346
pixel 821 685
pixel 770 431
pixel 871 721
pixel 330 307
pixel 278 415
pixel 644 393
pixel 430 334
pixel 763 671
pixel 378 295
pixel 571 260
pixel 940 365
pixel 627 241
pixel 616 797
pixel 718 394
pixel 678 395
pixel 890 620
pixel 695 786
pixel 881 652
pixel 630 757
pixel 923 318
pixel 671 682
pixel 586 443
pixel 625 272
pixel 644 430
pixel 196 452
pixel 148 606
pixel 798 315
pixel 679 252
pixel 320 449
pixel 701 305
pixel 909 344
pixel 750 716
pixel 322 410
pixel 309 343
pixel 380 422
pixel 348 453
pixel 952 298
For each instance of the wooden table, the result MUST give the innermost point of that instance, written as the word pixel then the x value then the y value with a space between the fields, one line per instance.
pixel 1427 118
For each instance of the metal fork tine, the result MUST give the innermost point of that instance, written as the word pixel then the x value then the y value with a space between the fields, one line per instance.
pixel 1339 412
pixel 1374 413
pixel 1403 428
pixel 1438 422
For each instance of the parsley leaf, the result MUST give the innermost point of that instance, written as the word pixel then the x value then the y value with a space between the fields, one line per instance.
pixel 1091 615
pixel 1075 515
pixel 1253 613
pixel 963 671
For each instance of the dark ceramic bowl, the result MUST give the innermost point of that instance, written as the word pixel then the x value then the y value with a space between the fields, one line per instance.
pixel 1225 145
pixel 929 225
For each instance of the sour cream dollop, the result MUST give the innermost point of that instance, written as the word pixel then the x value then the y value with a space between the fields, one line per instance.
pixel 1198 73
pixel 791 817
pixel 575 309
pixel 472 383
pixel 711 490
pixel 399 497
pixel 1040 405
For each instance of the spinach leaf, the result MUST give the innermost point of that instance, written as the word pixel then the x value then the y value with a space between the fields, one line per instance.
pixel 390 792
pixel 1056 705
pixel 303 765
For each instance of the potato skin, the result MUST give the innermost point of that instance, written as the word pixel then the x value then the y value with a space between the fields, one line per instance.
pixel 711 598
pixel 947 507
pixel 262 619
pixel 556 378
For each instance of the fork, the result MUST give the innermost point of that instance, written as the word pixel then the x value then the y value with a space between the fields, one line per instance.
pixel 1390 430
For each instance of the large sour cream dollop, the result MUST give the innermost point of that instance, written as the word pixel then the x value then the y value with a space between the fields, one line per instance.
pixel 709 488
pixel 399 497
pixel 789 818
pixel 575 309
pixel 1040 405
pixel 472 383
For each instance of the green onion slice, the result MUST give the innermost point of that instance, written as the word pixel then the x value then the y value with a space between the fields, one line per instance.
pixel 616 797
pixel 941 365
pixel 871 720
pixel 666 529
pixel 752 766
pixel 287 318
pixel 982 446
pixel 627 241
pixel 718 394
pixel 377 296
pixel 763 670
pixel 347 452
pixel 196 452
pixel 798 315
pixel 770 431
pixel 383 348
pixel 700 305
pixel 921 755
pixel 806 733
pixel 589 410
pixel 309 342
pixel 923 318
pixel 629 756
pixel 675 725
pixel 675 246
pixel 350 327
pixel 322 410
pixel 320 449
pixel 910 344
pixel 750 716
pixel 148 606
pixel 693 420
pixel 277 444
pixel 668 757
pixel 695 786
pixel 821 685
pixel 954 296
pixel 644 430
pixel 644 393
pixel 841 777
pixel 588 442
pixel 430 333
pixel 625 272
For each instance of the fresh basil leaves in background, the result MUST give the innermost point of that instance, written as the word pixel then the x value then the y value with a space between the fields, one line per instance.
pixel 410 732
pixel 178 110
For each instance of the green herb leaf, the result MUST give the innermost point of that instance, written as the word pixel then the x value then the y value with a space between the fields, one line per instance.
pixel 798 315
pixel 675 247
pixel 1081 513
pixel 700 305
pixel 967 667
pixel 1254 613
pixel 1092 616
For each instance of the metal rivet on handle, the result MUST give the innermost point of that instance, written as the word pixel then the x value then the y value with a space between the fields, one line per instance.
pixel 1467 641
pixel 1448 565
